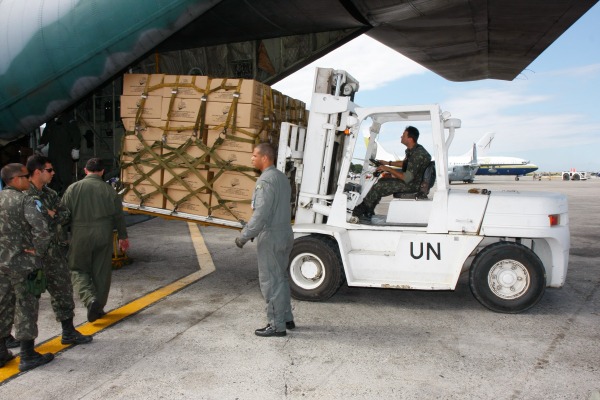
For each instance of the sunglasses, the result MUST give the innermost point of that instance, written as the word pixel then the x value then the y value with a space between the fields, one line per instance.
pixel 49 170
pixel 21 176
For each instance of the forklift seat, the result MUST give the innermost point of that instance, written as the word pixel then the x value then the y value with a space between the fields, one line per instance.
pixel 427 181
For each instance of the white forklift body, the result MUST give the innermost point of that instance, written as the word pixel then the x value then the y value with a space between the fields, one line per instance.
pixel 513 243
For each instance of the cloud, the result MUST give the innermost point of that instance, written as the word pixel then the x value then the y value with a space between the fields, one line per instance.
pixel 371 63
pixel 584 71
pixel 518 128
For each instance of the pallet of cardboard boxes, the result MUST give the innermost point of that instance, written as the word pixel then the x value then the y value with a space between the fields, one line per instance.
pixel 189 139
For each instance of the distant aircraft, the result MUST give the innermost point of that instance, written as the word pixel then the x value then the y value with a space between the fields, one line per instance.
pixel 505 166
pixel 499 165
pixel 463 168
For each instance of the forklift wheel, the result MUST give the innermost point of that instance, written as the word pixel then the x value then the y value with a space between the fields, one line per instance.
pixel 507 277
pixel 315 269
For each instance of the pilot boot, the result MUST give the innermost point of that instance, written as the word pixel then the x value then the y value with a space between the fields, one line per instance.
pixel 30 358
pixel 70 335
pixel 5 354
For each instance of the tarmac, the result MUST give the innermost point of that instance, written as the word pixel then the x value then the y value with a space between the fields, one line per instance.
pixel 183 314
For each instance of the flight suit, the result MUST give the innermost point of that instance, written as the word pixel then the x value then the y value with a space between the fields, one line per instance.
pixel 271 225
pixel 95 210
pixel 416 161
pixel 22 226
pixel 55 266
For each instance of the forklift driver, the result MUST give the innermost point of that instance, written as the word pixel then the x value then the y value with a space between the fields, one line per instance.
pixel 406 180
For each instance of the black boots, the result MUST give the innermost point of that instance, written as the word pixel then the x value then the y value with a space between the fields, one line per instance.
pixel 30 358
pixel 11 342
pixel 5 354
pixel 70 335
pixel 94 311
pixel 362 211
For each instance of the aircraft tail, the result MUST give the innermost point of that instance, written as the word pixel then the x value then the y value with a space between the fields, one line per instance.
pixel 480 148
pixel 474 157
pixel 485 143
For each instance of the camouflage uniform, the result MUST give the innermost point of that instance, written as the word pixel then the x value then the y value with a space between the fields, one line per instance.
pixel 55 265
pixel 416 161
pixel 95 210
pixel 22 226
pixel 270 223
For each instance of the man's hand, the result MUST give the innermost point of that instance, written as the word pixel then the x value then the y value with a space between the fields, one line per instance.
pixel 124 244
pixel 239 242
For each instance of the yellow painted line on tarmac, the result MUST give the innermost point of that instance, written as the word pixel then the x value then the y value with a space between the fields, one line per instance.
pixel 54 345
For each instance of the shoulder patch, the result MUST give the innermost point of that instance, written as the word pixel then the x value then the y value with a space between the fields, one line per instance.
pixel 38 205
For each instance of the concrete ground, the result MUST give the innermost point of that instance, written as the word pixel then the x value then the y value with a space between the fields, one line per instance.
pixel 199 342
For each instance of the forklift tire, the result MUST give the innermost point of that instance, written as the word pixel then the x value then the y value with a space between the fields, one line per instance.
pixel 315 269
pixel 507 277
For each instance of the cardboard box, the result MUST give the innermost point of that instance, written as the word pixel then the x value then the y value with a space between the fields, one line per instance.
pixel 229 143
pixel 251 92
pixel 152 106
pixel 230 157
pixel 140 173
pixel 195 204
pixel 195 179
pixel 144 125
pixel 187 86
pixel 234 185
pixel 248 115
pixel 184 155
pixel 149 197
pixel 186 110
pixel 231 210
pixel 136 84
pixel 179 132
pixel 132 145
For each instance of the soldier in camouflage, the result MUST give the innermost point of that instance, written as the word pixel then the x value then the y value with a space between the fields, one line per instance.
pixel 24 240
pixel 55 266
pixel 407 180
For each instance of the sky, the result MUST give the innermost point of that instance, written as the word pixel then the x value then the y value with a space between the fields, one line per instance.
pixel 548 115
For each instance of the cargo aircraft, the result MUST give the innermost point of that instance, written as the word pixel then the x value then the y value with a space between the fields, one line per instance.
pixel 463 168
pixel 57 54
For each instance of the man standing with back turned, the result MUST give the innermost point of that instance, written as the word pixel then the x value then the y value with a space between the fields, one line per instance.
pixel 270 222
pixel 95 210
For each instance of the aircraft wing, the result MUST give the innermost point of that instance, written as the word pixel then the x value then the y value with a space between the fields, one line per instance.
pixel 56 53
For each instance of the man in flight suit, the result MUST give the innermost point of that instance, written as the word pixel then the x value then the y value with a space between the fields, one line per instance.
pixel 95 210
pixel 270 223
pixel 55 267
pixel 24 240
